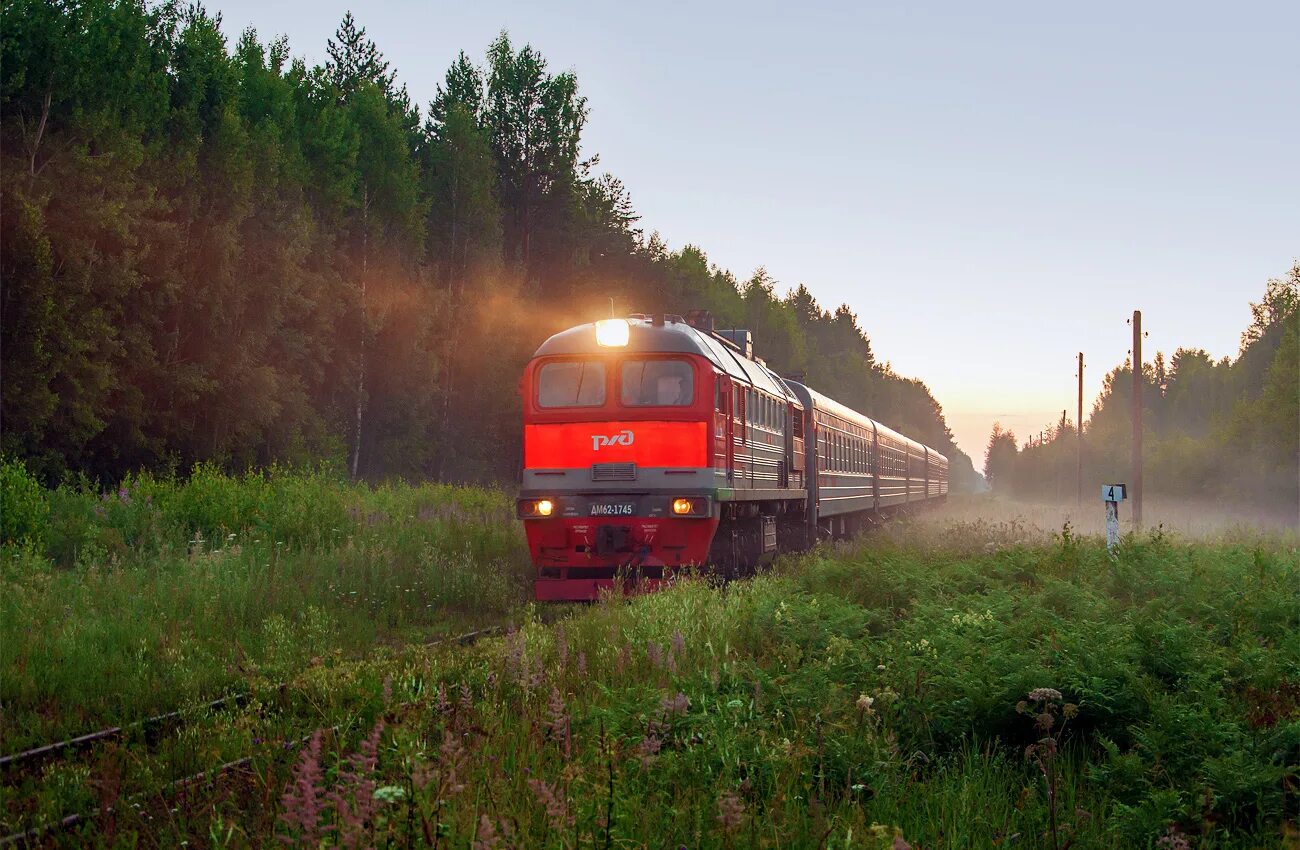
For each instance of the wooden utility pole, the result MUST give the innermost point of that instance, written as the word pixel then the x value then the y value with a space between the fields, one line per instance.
pixel 1137 419
pixel 1078 463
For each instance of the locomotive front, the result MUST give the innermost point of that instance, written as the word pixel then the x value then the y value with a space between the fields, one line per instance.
pixel 618 435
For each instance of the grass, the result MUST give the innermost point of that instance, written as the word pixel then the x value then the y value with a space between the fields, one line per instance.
pixel 869 694
pixel 118 605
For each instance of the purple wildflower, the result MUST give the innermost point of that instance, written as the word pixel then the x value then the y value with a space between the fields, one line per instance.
pixel 536 677
pixel 731 811
pixel 354 798
pixel 302 800
pixel 1173 839
pixel 466 696
pixel 557 719
pixel 674 705
pixel 442 703
pixel 679 643
pixel 486 837
pixel 650 745
pixel 557 807
pixel 655 654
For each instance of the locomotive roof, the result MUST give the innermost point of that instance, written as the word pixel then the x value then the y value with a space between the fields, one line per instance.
pixel 830 405
pixel 671 337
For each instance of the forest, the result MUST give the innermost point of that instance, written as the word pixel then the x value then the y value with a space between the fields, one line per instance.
pixel 1225 430
pixel 217 254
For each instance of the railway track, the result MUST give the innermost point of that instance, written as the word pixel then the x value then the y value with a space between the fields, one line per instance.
pixel 24 762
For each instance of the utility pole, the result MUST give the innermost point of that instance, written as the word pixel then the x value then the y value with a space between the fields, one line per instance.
pixel 1137 419
pixel 1078 464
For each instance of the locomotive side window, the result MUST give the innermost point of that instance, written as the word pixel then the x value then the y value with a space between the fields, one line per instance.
pixel 658 383
pixel 577 383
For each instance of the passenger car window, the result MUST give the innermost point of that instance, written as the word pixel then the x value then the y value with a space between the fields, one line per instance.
pixel 577 383
pixel 658 383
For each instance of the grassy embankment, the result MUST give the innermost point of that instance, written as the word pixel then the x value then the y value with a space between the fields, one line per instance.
pixel 119 605
pixel 856 695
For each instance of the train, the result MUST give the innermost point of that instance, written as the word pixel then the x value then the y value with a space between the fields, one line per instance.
pixel 658 443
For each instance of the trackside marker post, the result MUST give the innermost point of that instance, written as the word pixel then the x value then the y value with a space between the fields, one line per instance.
pixel 1112 495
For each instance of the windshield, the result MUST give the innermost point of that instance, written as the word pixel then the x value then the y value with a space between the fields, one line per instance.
pixel 576 383
pixel 661 383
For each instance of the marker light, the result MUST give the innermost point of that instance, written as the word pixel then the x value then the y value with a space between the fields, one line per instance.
pixel 612 333
pixel 682 506
pixel 544 507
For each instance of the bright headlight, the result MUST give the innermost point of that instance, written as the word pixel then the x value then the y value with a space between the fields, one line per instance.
pixel 612 333
pixel 544 507
pixel 682 506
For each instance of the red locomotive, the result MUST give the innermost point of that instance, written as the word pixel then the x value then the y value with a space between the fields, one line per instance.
pixel 657 443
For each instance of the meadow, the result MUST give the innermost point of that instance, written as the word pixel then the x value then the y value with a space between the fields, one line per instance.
pixel 942 682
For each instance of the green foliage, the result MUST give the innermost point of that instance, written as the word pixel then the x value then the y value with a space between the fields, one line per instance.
pixel 1227 430
pixel 183 589
pixel 213 253
pixel 24 507
pixel 873 690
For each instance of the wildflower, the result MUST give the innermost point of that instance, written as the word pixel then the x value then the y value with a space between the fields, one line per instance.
pixel 302 799
pixel 557 719
pixel 679 642
pixel 1173 839
pixel 466 696
pixel 674 705
pixel 451 754
pixel 357 809
pixel 557 807
pixel 486 838
pixel 1040 694
pixel 864 704
pixel 650 744
pixel 442 703
pixel 731 811
pixel 536 677
pixel 655 654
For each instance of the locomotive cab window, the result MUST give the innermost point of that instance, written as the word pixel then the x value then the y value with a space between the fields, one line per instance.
pixel 658 383
pixel 576 383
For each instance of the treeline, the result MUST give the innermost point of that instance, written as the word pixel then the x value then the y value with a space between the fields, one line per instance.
pixel 1226 429
pixel 221 254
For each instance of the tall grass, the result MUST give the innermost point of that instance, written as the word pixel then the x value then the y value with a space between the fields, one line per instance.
pixel 885 693
pixel 116 605
pixel 888 693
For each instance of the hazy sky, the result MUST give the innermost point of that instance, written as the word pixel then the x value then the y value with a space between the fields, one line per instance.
pixel 991 187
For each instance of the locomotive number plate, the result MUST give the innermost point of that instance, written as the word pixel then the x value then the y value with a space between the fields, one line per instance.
pixel 613 509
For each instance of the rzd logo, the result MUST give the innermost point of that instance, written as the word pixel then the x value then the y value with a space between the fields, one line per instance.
pixel 622 438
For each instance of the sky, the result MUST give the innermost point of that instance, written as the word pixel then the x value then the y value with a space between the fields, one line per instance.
pixel 991 187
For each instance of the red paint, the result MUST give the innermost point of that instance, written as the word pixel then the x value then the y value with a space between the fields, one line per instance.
pixel 561 548
pixel 577 445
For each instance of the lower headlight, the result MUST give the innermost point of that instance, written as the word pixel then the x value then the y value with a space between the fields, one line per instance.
pixel 533 508
pixel 683 506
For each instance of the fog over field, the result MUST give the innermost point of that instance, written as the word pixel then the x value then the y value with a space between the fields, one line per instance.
pixel 1190 519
